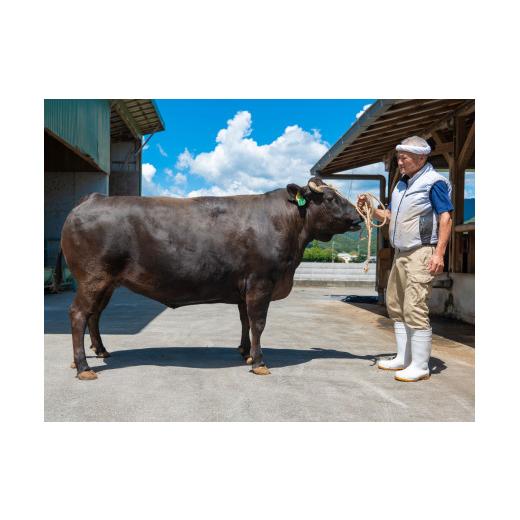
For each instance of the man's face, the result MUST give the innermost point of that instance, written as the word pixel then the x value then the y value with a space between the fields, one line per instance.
pixel 410 163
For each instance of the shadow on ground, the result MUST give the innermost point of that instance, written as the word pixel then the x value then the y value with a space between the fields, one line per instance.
pixel 127 313
pixel 451 329
pixel 226 357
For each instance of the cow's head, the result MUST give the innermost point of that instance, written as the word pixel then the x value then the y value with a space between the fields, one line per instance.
pixel 328 212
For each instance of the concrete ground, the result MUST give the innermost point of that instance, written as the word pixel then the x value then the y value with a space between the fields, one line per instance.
pixel 182 365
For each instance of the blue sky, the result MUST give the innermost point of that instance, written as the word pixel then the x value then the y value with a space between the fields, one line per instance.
pixel 227 147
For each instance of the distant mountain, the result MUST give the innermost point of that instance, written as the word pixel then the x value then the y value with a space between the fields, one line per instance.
pixel 350 242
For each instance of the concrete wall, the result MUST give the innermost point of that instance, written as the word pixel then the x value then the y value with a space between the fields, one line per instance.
pixel 458 301
pixel 63 190
pixel 334 274
pixel 125 168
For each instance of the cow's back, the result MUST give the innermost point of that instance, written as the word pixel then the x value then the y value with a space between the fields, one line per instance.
pixel 179 251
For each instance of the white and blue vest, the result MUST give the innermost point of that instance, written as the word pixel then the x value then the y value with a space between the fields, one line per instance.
pixel 413 221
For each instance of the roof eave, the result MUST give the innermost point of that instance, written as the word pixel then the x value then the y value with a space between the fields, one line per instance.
pixel 375 111
pixel 159 117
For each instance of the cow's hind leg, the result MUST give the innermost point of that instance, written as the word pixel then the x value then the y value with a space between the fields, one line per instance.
pixel 93 327
pixel 245 342
pixel 258 298
pixel 88 298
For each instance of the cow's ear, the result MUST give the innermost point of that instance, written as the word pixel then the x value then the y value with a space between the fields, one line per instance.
pixel 296 194
pixel 307 192
pixel 292 190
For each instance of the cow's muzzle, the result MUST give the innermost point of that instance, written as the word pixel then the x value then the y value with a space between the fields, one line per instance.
pixel 355 225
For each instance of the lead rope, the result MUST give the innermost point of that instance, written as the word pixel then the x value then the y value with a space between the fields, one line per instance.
pixel 367 214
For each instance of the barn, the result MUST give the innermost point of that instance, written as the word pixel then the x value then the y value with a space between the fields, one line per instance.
pixel 91 145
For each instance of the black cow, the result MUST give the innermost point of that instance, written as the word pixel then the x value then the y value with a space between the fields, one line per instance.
pixel 241 250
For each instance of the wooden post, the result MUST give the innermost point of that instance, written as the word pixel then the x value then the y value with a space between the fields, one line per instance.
pixel 385 251
pixel 457 182
pixel 440 141
pixel 468 148
pixel 393 176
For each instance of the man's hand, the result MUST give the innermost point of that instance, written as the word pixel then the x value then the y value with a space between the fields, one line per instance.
pixel 361 201
pixel 380 214
pixel 436 264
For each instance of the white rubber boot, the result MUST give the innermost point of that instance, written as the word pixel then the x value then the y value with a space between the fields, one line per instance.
pixel 421 343
pixel 402 360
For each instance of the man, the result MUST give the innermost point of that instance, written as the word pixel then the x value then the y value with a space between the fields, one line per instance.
pixel 420 225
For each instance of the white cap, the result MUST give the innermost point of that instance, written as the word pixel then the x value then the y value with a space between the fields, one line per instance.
pixel 414 144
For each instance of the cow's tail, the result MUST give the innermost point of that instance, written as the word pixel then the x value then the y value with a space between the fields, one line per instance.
pixel 57 277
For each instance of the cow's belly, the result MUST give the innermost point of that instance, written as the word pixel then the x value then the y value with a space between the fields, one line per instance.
pixel 175 290
pixel 181 296
pixel 178 284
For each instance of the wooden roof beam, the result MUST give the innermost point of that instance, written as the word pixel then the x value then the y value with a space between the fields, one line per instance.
pixel 415 104
pixel 382 152
pixel 440 141
pixel 347 165
pixel 387 142
pixel 465 109
pixel 127 118
pixel 446 104
pixel 468 148
pixel 397 132
pixel 413 121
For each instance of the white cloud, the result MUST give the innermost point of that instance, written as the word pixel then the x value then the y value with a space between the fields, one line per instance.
pixel 184 159
pixel 352 188
pixel 149 187
pixel 153 189
pixel 180 178
pixel 370 169
pixel 149 171
pixel 363 110
pixel 469 185
pixel 234 188
pixel 238 164
pixel 161 150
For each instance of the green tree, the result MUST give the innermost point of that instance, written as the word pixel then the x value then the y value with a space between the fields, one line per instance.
pixel 318 254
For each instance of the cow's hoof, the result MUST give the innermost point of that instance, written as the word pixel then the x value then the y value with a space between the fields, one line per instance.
pixel 100 353
pixel 73 364
pixel 87 375
pixel 249 360
pixel 261 371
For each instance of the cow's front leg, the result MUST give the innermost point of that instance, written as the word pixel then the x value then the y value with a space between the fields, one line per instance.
pixel 257 299
pixel 245 342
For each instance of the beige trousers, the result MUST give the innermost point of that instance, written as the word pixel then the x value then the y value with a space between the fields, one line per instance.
pixel 409 288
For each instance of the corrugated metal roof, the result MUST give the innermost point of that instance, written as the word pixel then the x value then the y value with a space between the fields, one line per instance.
pixel 87 126
pixel 84 124
pixel 384 125
pixel 134 118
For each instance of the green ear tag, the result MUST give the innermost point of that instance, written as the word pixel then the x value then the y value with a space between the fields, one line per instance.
pixel 300 200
